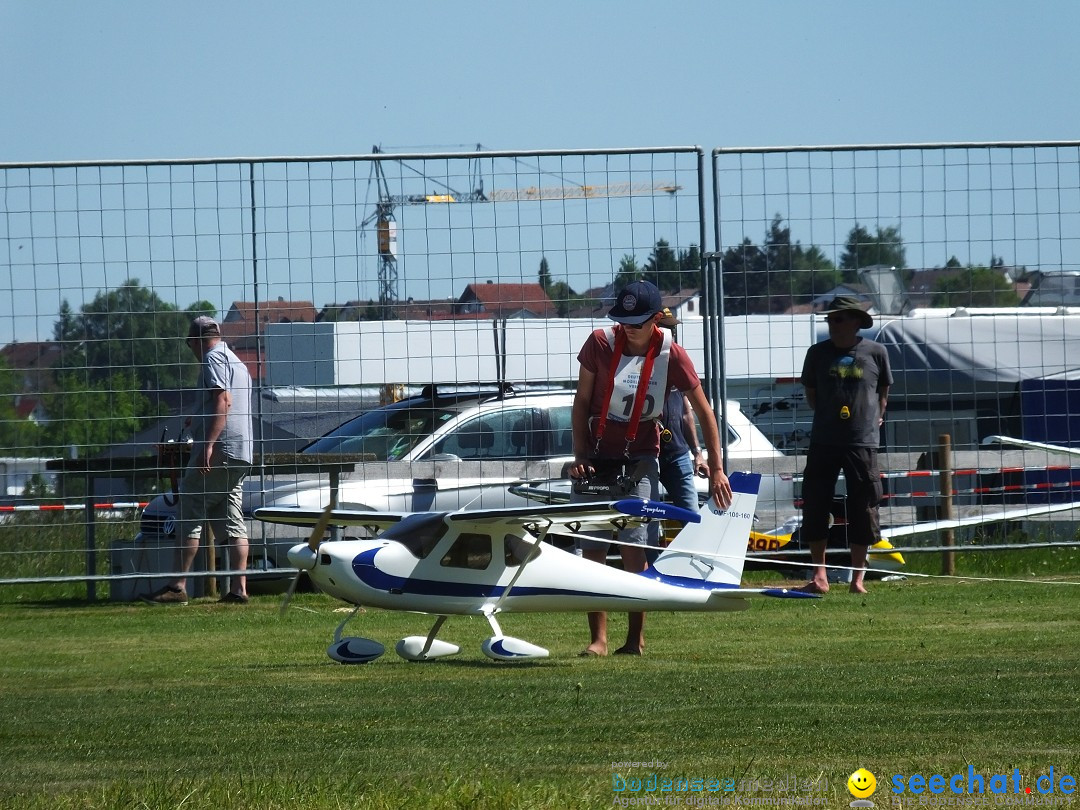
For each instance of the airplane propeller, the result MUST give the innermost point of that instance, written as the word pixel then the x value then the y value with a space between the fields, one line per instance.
pixel 314 539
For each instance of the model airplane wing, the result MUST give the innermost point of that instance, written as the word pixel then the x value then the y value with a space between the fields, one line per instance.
pixel 549 492
pixel 1030 445
pixel 576 516
pixel 976 520
pixel 376 521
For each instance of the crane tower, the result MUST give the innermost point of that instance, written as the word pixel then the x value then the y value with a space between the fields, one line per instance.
pixel 386 225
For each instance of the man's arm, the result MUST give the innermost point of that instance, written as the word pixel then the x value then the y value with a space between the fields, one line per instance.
pixel 221 403
pixel 719 486
pixel 579 420
pixel 689 432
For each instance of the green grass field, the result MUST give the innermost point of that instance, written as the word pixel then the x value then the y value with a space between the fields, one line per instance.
pixel 208 706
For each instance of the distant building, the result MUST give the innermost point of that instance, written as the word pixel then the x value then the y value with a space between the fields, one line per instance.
pixel 240 327
pixel 493 300
pixel 684 304
pixel 33 361
pixel 33 364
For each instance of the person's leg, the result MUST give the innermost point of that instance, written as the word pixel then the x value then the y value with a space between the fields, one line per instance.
pixel 597 620
pixel 863 475
pixel 819 582
pixel 594 550
pixel 859 554
pixel 633 559
pixel 819 484
pixel 191 509
pixel 236 532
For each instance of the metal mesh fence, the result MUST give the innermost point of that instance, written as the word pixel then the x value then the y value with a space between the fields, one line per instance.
pixel 967 255
pixel 344 283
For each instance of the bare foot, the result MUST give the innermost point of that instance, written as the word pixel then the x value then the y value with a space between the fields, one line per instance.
pixel 857 587
pixel 814 587
pixel 593 651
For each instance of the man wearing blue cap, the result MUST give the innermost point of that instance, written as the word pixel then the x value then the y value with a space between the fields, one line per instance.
pixel 625 373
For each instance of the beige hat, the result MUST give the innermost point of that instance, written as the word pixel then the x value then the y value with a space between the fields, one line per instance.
pixel 668 319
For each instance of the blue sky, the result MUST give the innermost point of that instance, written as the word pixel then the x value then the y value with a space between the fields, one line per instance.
pixel 119 79
pixel 115 79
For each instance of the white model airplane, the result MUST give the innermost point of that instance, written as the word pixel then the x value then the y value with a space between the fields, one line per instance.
pixel 493 561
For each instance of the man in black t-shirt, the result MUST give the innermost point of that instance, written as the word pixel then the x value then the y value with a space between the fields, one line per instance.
pixel 847 381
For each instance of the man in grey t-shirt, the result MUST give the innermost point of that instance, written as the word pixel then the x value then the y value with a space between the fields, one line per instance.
pixel 847 379
pixel 221 456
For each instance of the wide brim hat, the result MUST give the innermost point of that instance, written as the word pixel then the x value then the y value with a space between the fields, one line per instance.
pixel 636 303
pixel 848 303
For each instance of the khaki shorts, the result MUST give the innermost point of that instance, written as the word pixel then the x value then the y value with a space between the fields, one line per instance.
pixel 648 534
pixel 215 498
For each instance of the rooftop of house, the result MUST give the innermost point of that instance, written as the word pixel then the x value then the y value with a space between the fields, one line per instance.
pixel 498 299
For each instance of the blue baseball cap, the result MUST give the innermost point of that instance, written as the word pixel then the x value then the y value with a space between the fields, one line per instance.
pixel 636 303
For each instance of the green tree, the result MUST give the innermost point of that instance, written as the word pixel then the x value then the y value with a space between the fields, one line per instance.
pixel 774 276
pixel 545 274
pixel 628 271
pixel 93 415
pixel 564 298
pixel 130 329
pixel 18 437
pixel 662 268
pixel 690 269
pixel 974 286
pixel 863 249
pixel 560 293
pixel 745 285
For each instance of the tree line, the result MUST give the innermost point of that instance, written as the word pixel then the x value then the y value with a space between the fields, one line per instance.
pixel 117 355
pixel 776 274
pixel 124 348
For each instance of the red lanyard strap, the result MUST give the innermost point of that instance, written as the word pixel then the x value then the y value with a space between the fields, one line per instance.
pixel 655 343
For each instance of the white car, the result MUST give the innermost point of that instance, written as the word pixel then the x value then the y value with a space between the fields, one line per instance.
pixel 449 449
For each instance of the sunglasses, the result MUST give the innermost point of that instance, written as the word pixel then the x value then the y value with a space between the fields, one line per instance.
pixel 649 322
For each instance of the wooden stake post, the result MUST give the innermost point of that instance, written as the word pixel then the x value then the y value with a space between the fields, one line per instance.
pixel 947 512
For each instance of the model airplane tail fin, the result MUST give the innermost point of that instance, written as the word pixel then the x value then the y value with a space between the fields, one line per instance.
pixel 714 550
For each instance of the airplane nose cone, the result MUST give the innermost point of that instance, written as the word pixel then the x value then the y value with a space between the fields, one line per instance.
pixel 301 556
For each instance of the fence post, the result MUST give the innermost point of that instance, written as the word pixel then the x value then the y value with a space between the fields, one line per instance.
pixel 91 540
pixel 948 536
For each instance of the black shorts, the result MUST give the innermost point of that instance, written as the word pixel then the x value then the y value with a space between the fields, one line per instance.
pixel 862 479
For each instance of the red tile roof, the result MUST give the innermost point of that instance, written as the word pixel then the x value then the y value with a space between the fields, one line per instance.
pixel 508 299
pixel 31 355
pixel 271 312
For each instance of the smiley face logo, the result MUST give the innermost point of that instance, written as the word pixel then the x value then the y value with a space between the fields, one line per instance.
pixel 862 784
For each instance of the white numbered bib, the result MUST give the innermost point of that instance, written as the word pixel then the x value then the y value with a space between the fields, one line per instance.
pixel 627 376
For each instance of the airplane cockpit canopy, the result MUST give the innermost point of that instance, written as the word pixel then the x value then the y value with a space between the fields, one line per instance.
pixel 419 533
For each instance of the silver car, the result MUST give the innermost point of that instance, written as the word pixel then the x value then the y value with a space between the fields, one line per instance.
pixel 453 451
pixel 450 449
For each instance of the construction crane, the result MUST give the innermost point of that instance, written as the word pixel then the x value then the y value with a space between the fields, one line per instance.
pixel 386 225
